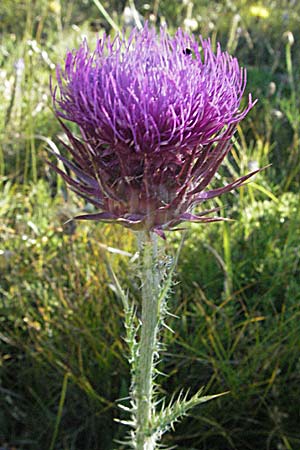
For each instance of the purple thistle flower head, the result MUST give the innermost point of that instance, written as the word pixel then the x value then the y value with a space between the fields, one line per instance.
pixel 156 116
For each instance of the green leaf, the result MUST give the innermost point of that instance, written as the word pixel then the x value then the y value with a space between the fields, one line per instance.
pixel 176 409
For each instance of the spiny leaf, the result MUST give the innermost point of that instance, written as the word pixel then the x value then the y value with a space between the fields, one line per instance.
pixel 176 409
pixel 168 281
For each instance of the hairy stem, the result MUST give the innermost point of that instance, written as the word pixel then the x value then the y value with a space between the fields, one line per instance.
pixel 148 341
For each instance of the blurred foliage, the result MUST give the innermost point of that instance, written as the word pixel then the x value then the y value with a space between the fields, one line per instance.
pixel 62 362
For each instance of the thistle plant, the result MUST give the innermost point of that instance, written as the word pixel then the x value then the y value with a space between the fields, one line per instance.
pixel 156 115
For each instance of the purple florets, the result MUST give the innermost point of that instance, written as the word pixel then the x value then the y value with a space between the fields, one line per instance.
pixel 156 115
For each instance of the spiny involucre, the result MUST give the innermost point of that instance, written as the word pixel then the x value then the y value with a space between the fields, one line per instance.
pixel 156 116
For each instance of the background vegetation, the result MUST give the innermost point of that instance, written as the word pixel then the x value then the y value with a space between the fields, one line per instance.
pixel 62 363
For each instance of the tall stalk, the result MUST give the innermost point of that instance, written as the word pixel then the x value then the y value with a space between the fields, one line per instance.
pixel 150 318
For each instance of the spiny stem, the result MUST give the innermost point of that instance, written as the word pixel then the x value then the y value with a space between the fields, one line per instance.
pixel 148 340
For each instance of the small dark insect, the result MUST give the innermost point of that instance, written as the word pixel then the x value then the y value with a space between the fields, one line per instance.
pixel 187 51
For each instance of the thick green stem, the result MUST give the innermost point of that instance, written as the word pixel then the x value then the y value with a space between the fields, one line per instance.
pixel 148 341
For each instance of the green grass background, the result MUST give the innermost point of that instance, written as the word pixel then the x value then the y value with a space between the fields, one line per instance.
pixel 62 362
